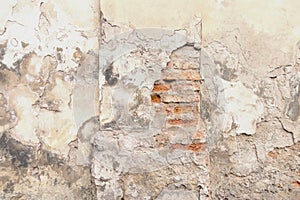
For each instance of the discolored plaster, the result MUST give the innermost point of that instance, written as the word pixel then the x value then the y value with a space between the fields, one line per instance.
pixel 149 100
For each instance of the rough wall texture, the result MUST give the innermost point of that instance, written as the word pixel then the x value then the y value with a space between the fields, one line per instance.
pixel 149 99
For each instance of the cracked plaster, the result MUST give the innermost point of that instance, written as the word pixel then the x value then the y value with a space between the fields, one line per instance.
pixel 60 101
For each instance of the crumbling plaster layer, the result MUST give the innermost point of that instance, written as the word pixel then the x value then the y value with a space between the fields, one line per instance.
pixel 250 64
pixel 142 141
pixel 46 48
pixel 49 76
pixel 266 30
pixel 44 43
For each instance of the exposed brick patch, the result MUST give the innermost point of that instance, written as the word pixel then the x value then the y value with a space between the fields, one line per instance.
pixel 177 96
pixel 185 109
pixel 177 110
pixel 155 98
pixel 161 87
pixel 197 147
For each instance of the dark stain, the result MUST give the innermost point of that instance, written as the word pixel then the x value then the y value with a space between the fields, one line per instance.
pixel 47 158
pixel 9 187
pixel 116 165
pixel 293 110
pixel 2 65
pixel 111 125
pixel 22 160
pixel 3 78
pixel 5 115
pixel 226 73
pixel 3 48
pixel 21 155
pixel 205 109
pixel 59 54
pixel 24 44
pixel 17 63
pixel 24 155
pixel 102 187
pixel 110 77
pixel 24 61
pixel 8 76
pixel 294 107
pixel 2 53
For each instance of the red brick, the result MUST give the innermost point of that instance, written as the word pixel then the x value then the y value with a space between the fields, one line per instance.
pixel 161 87
pixel 195 147
pixel 178 109
pixel 185 109
pixel 155 98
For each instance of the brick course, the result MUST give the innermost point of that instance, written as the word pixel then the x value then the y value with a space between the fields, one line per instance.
pixel 177 96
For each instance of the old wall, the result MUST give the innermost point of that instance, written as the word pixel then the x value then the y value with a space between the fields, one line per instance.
pixel 149 99
pixel 43 44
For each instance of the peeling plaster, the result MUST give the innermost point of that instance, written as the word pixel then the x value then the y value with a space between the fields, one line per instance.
pixel 149 100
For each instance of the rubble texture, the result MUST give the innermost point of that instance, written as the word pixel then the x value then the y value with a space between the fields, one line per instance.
pixel 149 100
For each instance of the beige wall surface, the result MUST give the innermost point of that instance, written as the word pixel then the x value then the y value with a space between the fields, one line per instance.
pixel 149 99
pixel 266 30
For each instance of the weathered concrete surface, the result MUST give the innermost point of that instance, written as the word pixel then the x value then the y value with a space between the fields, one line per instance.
pixel 29 172
pixel 159 130
pixel 44 47
pixel 264 106
pixel 149 99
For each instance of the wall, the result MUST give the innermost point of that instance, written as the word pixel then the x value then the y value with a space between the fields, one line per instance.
pixel 43 44
pixel 149 99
